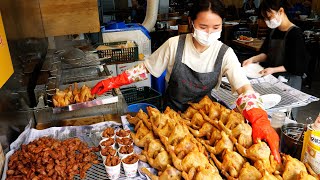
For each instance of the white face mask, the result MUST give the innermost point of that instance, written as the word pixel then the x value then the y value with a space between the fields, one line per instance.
pixel 274 22
pixel 204 38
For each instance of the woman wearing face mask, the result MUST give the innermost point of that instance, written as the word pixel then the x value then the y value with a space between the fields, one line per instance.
pixel 195 64
pixel 284 51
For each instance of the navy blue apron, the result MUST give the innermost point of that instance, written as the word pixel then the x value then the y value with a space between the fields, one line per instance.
pixel 186 85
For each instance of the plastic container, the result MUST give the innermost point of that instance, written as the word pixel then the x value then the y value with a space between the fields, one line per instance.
pixel 115 25
pixel 141 95
pixel 120 52
pixel 138 106
pixel 291 142
pixel 159 84
pixel 277 120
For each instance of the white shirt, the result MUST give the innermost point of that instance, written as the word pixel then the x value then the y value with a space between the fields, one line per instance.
pixel 164 57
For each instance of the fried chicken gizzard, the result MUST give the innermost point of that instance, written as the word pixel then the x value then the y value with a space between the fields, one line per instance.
pixel 48 157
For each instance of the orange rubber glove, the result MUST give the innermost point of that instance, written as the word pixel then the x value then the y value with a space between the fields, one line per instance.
pixel 250 105
pixel 110 83
pixel 261 129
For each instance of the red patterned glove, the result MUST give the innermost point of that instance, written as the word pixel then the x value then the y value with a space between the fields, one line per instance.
pixel 113 82
pixel 251 107
pixel 261 129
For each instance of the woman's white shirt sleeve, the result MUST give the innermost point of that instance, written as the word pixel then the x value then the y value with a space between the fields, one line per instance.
pixel 231 68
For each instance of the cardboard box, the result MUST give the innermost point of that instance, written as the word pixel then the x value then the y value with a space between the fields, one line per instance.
pixel 112 69
pixel 6 68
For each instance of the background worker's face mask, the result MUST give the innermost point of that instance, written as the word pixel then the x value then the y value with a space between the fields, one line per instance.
pixel 205 38
pixel 274 22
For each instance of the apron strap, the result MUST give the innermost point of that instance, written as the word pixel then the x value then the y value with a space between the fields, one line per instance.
pixel 222 52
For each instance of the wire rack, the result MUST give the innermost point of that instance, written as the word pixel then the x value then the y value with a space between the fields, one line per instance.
pixel 98 171
pixel 287 100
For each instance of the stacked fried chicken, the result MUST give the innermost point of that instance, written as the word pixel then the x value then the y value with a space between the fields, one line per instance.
pixel 208 141
pixel 71 96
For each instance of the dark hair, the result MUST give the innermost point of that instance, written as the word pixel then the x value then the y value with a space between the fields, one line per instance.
pixel 216 6
pixel 268 5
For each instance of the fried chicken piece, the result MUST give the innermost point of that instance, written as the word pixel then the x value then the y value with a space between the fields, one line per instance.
pixel 292 168
pixel 177 134
pixel 234 119
pixel 132 120
pixel 305 176
pixel 204 101
pixel 249 172
pixel 142 142
pixel 222 144
pixel 58 99
pixel 85 94
pixel 224 115
pixel 267 176
pixel 153 147
pixel 139 116
pixel 160 161
pixel 197 121
pixel 186 145
pixel 170 173
pixel 141 130
pixel 192 160
pixel 243 132
pixel 205 130
pixel 188 114
pixel 156 155
pixel 200 173
pixel 142 135
pixel 172 113
pixel 258 151
pixel 270 165
pixel 215 135
pixel 231 164
pixel 157 119
pixel 164 128
pixel 212 110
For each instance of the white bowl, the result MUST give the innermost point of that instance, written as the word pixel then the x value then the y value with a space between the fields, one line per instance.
pixel 303 17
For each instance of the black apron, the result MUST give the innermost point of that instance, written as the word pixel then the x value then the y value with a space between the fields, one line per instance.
pixel 276 55
pixel 276 52
pixel 186 85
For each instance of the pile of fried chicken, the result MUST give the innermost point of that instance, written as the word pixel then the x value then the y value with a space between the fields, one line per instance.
pixel 48 158
pixel 208 141
pixel 71 96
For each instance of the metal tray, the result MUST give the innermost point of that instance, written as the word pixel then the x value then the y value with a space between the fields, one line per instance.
pixel 107 98
pixel 82 74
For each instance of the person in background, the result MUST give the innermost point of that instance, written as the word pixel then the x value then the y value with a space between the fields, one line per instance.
pixel 248 6
pixel 284 50
pixel 195 64
pixel 138 12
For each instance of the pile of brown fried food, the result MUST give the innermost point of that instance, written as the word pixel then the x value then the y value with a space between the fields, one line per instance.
pixel 108 142
pixel 178 145
pixel 126 149
pixel 131 159
pixel 48 158
pixel 112 160
pixel 108 132
pixel 71 96
pixel 124 141
pixel 108 151
pixel 123 133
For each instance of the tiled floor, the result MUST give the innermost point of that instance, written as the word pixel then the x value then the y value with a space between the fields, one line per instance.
pixel 313 109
